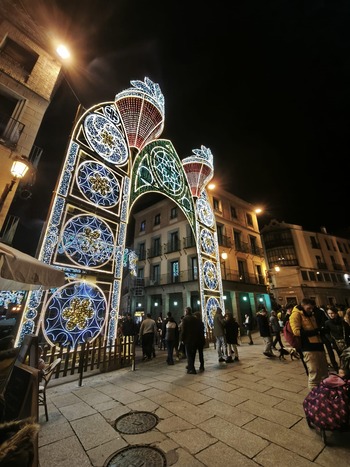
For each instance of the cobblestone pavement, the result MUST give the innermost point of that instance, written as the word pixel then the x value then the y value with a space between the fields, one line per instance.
pixel 246 413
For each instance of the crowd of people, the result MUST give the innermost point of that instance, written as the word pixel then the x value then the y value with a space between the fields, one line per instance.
pixel 322 333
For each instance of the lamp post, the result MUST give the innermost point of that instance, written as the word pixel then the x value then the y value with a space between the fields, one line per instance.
pixel 224 258
pixel 19 168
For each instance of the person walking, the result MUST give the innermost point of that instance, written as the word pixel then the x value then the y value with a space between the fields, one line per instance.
pixel 248 326
pixel 129 327
pixel 201 341
pixel 275 331
pixel 338 331
pixel 190 337
pixel 303 323
pixel 171 338
pixel 231 331
pixel 148 330
pixel 219 334
pixel 265 331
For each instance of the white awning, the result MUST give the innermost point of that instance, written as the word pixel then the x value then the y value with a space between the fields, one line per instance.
pixel 19 271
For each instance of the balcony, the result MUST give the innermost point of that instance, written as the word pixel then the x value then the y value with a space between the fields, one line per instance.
pixel 172 247
pixel 225 241
pixel 245 278
pixel 338 267
pixel 321 265
pixel 10 131
pixel 154 252
pixel 189 242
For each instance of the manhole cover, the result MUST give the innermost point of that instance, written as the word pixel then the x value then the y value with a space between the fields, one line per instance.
pixel 134 423
pixel 137 456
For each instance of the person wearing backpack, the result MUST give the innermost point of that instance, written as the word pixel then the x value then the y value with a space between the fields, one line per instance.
pixel 303 323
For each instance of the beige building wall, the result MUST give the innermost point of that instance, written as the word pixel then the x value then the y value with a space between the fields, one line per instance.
pixel 32 92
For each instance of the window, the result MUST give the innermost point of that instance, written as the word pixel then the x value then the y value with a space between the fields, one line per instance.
pixel 345 248
pixel 194 268
pixel 327 245
pixel 173 213
pixel 156 247
pixel 249 219
pixel 304 275
pixel 155 275
pixel 242 267
pixel 19 56
pixel 143 226
pixel 253 246
pixel 142 251
pixel 157 219
pixel 319 276
pixel 312 276
pixel 10 128
pixel 174 241
pixel 237 239
pixel 233 212
pixel 339 247
pixel 140 273
pixel 174 271
pixel 314 243
pixel 216 204
pixel 220 233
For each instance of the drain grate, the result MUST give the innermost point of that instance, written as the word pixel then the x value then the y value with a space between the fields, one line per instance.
pixel 137 456
pixel 133 423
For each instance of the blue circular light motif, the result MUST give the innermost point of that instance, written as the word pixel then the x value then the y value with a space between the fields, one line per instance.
pixel 88 241
pixel 205 212
pixel 210 275
pixel 75 314
pixel 211 306
pixel 106 139
pixel 98 184
pixel 207 241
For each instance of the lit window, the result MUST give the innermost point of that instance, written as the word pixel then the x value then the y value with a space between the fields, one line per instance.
pixel 143 226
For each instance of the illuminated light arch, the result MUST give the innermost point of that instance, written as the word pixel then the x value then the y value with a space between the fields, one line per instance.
pixel 101 179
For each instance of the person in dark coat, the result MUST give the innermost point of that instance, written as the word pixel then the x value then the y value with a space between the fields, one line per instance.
pixel 265 331
pixel 191 336
pixel 129 327
pixel 337 330
pixel 201 341
pixel 171 338
pixel 231 332
pixel 321 318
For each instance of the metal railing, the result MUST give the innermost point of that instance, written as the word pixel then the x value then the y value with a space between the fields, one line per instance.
pixel 10 130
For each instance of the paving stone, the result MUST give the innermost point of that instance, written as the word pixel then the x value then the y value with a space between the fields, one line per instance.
pixel 163 413
pixel 284 385
pixel 94 431
pixel 287 395
pixel 269 413
pixel 173 424
pixel 220 455
pixel 288 439
pixel 227 412
pixel 335 455
pixel 92 396
pixel 160 397
pixel 134 386
pixel 185 459
pixel 100 454
pixel 188 412
pixel 240 439
pixel 143 405
pixel 291 407
pixel 230 398
pixel 259 387
pixel 60 453
pixel 150 437
pixel 63 400
pixel 76 411
pixel 54 432
pixel 111 415
pixel 222 385
pixel 193 440
pixel 276 455
pixel 256 396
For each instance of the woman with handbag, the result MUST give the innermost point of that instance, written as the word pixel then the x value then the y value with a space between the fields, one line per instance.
pixel 338 330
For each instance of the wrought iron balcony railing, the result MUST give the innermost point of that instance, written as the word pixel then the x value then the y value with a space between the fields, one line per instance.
pixel 10 131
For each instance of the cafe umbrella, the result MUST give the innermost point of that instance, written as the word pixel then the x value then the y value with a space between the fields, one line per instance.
pixel 20 271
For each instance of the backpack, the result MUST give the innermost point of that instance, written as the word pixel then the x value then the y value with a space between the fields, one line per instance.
pixel 293 341
pixel 327 405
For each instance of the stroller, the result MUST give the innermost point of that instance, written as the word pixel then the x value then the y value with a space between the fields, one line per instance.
pixel 327 406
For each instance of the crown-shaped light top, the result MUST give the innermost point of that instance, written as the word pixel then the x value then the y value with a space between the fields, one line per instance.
pixel 142 111
pixel 199 169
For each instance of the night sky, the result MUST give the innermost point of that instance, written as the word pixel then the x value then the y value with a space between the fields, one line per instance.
pixel 264 85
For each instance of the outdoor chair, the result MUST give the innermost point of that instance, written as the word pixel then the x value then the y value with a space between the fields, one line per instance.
pixel 46 377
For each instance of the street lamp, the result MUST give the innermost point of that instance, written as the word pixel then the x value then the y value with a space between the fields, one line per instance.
pixel 19 168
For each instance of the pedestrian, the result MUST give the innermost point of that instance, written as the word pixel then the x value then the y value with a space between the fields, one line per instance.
pixel 129 327
pixel 338 331
pixel 219 334
pixel 265 331
pixel 201 341
pixel 248 326
pixel 171 338
pixel 148 330
pixel 303 323
pixel 231 332
pixel 191 338
pixel 275 331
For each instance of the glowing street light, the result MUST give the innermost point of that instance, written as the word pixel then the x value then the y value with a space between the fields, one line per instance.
pixel 19 168
pixel 63 52
pixel 224 257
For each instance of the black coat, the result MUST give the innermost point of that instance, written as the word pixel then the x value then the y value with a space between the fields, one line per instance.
pixel 192 331
pixel 263 324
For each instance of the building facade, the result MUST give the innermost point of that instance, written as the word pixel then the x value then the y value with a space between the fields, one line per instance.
pixel 29 74
pixel 167 269
pixel 306 264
